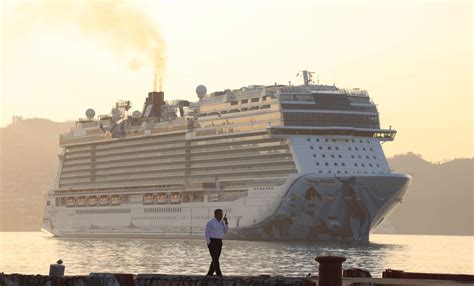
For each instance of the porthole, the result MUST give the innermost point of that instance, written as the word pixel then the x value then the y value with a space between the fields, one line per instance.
pixel 320 171
pixel 340 156
pixel 378 165
pixel 329 147
pixel 311 147
pixel 371 149
pixel 367 157
pixel 332 155
pixel 345 172
pixel 327 164
pixel 335 164
pixel 363 148
pixel 329 172
pixel 357 149
pixel 333 140
pixel 360 157
pixel 326 140
pixel 355 164
pixel 374 157
pixel 347 141
pixel 324 156
pixel 320 147
pixel 317 163
pixel 360 141
pixel 352 156
pixel 317 139
pixel 343 164
pixel 370 165
pixel 337 148
pixel 353 141
pixel 368 141
pixel 350 148
pixel 362 165
pixel 314 155
pixel 307 139
pixel 338 172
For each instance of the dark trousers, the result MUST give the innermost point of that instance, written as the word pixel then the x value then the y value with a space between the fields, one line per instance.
pixel 215 248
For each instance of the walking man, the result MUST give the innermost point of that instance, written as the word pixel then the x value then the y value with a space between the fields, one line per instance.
pixel 215 230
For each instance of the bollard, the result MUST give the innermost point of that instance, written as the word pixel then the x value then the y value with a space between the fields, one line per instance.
pixel 330 270
pixel 57 270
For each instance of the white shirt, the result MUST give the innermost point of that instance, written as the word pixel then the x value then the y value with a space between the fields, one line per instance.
pixel 215 229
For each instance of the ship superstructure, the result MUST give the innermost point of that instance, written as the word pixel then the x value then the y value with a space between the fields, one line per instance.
pixel 284 162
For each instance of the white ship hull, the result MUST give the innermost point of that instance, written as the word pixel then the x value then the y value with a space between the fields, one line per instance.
pixel 307 207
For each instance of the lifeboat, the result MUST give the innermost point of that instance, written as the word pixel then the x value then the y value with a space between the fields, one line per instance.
pixel 92 201
pixel 148 199
pixel 104 200
pixel 162 198
pixel 71 202
pixel 116 199
pixel 175 198
pixel 81 201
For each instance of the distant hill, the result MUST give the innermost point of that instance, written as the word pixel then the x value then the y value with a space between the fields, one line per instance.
pixel 440 200
pixel 28 164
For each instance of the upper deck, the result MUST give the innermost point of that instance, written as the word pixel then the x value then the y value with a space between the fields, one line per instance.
pixel 279 109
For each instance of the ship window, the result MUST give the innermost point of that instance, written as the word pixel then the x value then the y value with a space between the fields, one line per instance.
pixel 370 165
pixel 359 157
pixel 371 149
pixel 255 99
pixel 362 165
pixel 320 147
pixel 350 148
pixel 327 164
pixel 355 164
pixel 311 147
pixel 367 157
pixel 343 164
pixel 314 155
pixel 378 165
pixel 307 139
pixel 363 149
pixel 329 147
pixel 324 156
pixel 337 148
pixel 357 149
pixel 332 155
pixel 329 172
pixel 353 141
pixel 347 141
pixel 368 141
pixel 352 156
pixel 317 139
pixel 338 172
pixel 374 157
pixel 360 141
pixel 244 101
pixel 234 103
pixel 326 140
pixel 340 156
pixel 335 164
pixel 317 163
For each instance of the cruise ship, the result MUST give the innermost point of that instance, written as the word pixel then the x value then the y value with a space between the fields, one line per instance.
pixel 284 162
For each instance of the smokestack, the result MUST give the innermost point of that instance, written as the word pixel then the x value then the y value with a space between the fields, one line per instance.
pixel 153 104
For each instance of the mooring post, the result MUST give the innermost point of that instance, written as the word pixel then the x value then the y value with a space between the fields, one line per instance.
pixel 57 270
pixel 330 270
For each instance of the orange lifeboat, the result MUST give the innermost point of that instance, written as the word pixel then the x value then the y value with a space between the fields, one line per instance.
pixel 71 202
pixel 116 199
pixel 148 199
pixel 162 198
pixel 81 201
pixel 104 200
pixel 92 201
pixel 175 198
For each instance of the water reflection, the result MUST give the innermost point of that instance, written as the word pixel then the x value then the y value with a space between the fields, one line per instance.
pixel 33 252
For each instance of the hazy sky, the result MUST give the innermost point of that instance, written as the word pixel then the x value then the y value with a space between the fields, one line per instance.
pixel 414 58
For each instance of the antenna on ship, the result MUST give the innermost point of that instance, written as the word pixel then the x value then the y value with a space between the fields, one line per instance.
pixel 307 76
